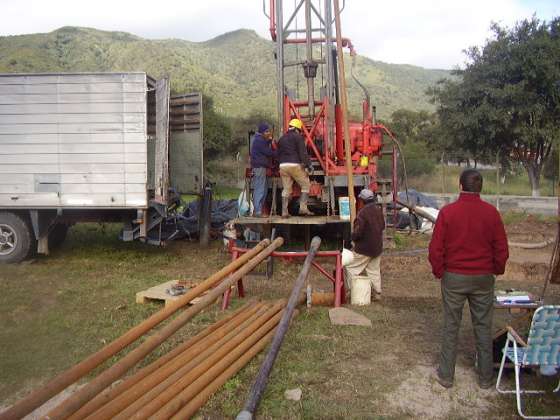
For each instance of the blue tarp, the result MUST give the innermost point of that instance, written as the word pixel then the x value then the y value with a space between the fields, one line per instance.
pixel 222 212
pixel 418 199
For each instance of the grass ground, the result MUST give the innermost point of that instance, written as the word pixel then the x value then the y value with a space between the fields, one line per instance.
pixel 445 180
pixel 56 310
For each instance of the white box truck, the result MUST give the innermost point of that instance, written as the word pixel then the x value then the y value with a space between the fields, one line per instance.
pixel 112 147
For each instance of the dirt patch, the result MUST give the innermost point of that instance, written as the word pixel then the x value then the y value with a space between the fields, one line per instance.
pixel 427 399
pixel 43 410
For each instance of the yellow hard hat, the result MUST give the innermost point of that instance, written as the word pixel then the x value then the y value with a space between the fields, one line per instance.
pixel 296 122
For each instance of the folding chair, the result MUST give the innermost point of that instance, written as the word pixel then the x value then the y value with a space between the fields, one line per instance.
pixel 541 350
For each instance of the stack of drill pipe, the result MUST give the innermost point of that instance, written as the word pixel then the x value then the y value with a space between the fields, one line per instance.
pixel 113 392
pixel 63 380
pixel 106 378
pixel 187 376
pixel 243 265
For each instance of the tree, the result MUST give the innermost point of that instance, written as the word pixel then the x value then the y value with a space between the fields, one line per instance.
pixel 507 98
pixel 415 131
pixel 216 130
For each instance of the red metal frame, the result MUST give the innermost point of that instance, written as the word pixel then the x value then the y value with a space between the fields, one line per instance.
pixel 366 136
pixel 337 278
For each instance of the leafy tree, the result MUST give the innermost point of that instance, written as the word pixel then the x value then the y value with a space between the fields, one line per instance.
pixel 216 130
pixel 415 131
pixel 508 96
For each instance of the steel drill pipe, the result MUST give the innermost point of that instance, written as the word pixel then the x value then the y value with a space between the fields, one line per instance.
pixel 189 366
pixel 89 391
pixel 198 401
pixel 112 392
pixel 68 377
pixel 419 212
pixel 262 377
pixel 189 374
pixel 133 399
pixel 212 371
pixel 138 389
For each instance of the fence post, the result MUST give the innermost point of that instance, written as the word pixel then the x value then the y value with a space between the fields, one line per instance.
pixel 442 174
pixel 498 180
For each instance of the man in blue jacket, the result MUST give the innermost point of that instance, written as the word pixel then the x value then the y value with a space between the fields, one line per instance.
pixel 261 161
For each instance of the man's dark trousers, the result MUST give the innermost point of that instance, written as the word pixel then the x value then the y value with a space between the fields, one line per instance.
pixel 479 291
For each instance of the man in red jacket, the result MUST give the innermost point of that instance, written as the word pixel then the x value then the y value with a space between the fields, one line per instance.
pixel 468 248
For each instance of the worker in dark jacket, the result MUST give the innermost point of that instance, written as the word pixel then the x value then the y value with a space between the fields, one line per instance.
pixel 367 237
pixel 468 248
pixel 295 165
pixel 261 161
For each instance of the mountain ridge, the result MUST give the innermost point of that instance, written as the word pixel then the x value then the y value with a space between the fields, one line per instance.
pixel 236 69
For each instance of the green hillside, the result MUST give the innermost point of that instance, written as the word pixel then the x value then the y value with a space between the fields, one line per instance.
pixel 237 69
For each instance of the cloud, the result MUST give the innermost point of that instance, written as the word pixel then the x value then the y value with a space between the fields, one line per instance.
pixel 430 33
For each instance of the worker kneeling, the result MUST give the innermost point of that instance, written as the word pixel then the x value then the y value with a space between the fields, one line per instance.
pixel 293 158
pixel 367 237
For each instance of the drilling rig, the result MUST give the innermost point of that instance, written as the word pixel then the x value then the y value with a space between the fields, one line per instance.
pixel 311 87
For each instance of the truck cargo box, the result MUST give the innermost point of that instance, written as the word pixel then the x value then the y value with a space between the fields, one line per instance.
pixel 108 147
pixel 73 140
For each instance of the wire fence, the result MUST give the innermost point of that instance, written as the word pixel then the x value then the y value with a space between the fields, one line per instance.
pixel 442 176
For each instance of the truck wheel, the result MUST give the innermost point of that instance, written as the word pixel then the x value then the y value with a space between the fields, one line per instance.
pixel 15 238
pixel 57 235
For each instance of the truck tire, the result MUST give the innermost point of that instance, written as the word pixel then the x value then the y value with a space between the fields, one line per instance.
pixel 15 238
pixel 57 235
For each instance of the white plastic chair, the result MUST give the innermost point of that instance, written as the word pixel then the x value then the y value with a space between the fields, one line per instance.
pixel 541 350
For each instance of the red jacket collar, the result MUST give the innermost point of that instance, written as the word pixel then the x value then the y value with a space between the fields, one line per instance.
pixel 469 196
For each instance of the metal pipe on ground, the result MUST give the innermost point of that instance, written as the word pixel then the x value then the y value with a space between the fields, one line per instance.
pixel 262 377
pixel 418 211
pixel 161 380
pixel 140 390
pixel 198 401
pixel 68 377
pixel 112 392
pixel 106 378
pixel 190 373
pixel 213 371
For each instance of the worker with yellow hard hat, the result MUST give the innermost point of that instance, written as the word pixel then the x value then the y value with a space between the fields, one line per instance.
pixel 295 165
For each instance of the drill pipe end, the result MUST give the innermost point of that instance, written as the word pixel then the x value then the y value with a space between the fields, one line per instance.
pixel 244 415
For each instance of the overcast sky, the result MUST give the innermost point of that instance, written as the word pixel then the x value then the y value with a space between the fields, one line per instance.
pixel 429 33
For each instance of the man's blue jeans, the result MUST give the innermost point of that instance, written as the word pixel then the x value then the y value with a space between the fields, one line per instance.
pixel 259 190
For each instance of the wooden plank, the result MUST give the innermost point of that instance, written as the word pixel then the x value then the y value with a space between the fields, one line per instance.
pixel 72 108
pixel 71 98
pixel 161 179
pixel 126 127
pixel 292 220
pixel 72 158
pixel 73 168
pixel 24 89
pixel 73 118
pixel 84 178
pixel 61 138
pixel 58 78
pixel 158 293
pixel 83 148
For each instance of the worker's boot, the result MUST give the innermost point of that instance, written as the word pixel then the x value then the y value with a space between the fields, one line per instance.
pixel 285 202
pixel 303 210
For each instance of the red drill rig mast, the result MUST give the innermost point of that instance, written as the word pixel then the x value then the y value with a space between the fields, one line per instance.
pixel 318 105
pixel 308 88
